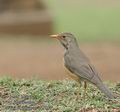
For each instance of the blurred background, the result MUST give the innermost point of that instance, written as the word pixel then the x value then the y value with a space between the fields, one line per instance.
pixel 27 51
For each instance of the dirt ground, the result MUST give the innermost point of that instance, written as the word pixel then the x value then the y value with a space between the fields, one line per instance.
pixel 43 60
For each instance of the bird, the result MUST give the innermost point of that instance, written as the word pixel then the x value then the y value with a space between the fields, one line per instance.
pixel 78 64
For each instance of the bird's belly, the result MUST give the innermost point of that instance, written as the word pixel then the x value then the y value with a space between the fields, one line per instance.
pixel 72 75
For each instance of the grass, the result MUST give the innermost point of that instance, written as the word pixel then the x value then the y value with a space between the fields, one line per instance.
pixel 53 96
pixel 87 21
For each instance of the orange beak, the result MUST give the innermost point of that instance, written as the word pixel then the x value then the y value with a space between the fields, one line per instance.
pixel 54 36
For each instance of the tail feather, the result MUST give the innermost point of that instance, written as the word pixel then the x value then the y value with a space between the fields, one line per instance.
pixel 105 90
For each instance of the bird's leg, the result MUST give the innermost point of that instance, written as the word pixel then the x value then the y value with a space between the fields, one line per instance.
pixel 78 94
pixel 85 87
pixel 84 96
pixel 79 86
pixel 79 83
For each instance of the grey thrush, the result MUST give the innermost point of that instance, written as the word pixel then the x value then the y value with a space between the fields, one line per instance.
pixel 79 65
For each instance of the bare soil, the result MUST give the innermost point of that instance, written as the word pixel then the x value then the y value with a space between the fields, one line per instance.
pixel 43 60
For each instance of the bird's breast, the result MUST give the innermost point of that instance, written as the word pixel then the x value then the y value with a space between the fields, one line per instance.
pixel 70 74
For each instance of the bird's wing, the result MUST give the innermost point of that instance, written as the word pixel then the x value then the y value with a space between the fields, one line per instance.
pixel 85 70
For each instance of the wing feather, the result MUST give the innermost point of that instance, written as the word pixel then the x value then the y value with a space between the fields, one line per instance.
pixel 85 71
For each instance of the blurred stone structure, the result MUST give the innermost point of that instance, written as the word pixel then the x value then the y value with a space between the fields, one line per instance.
pixel 24 17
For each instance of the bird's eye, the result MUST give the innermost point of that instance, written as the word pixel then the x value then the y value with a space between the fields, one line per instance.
pixel 63 36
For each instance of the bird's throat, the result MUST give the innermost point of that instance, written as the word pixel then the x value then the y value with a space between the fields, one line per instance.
pixel 73 46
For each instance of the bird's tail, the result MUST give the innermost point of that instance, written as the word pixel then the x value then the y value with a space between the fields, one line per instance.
pixel 105 90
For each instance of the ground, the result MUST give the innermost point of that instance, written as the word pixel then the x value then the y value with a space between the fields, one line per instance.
pixel 54 96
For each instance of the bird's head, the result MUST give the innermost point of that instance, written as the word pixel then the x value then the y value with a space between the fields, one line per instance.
pixel 65 39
